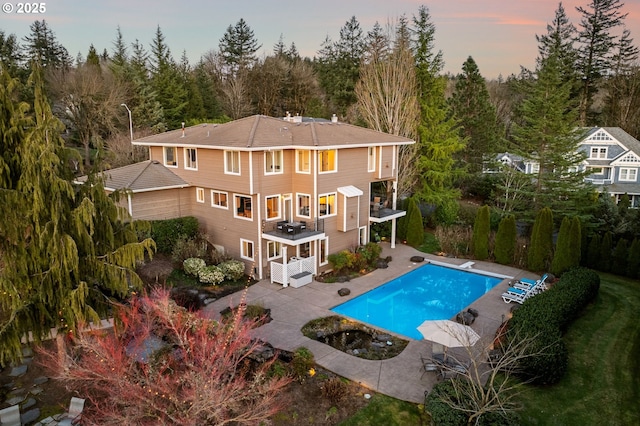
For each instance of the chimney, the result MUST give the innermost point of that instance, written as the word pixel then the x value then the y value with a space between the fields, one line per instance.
pixel 334 118
pixel 183 129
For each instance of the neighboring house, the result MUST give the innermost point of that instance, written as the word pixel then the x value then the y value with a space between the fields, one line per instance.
pixel 279 194
pixel 613 159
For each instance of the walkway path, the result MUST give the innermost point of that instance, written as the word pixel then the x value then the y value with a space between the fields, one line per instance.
pixel 399 377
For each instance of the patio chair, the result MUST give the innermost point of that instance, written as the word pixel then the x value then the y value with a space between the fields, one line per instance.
pixel 509 297
pixel 428 366
pixel 10 416
pixel 75 412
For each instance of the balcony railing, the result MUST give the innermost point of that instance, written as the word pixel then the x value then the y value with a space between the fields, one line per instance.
pixel 294 230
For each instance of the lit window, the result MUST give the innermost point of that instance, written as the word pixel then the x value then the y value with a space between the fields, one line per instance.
pixel 170 159
pixel 232 162
pixel 200 195
pixel 372 159
pixel 246 249
pixel 628 175
pixel 304 201
pixel 219 199
pixel 303 161
pixel 273 162
pixel 190 159
pixel 243 207
pixel 273 207
pixel 327 204
pixel 327 160
pixel 274 249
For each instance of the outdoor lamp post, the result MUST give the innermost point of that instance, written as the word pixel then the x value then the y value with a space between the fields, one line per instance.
pixel 130 121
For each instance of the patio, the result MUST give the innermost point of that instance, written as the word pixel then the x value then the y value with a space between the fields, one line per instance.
pixel 399 377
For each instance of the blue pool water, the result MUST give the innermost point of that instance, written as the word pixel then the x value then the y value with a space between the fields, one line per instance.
pixel 430 292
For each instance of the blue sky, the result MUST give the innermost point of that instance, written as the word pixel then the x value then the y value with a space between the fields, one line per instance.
pixel 499 34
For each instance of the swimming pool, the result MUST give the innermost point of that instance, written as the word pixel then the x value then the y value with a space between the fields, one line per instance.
pixel 430 292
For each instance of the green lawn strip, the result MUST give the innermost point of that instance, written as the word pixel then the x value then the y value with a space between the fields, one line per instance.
pixel 599 387
pixel 384 410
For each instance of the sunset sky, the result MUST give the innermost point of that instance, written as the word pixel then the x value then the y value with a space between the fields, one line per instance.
pixel 498 34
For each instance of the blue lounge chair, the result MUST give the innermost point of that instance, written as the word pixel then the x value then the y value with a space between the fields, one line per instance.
pixel 509 297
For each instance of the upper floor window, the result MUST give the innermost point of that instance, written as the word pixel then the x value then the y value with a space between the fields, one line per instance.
pixel 303 161
pixel 273 206
pixel 598 153
pixel 273 162
pixel 232 162
pixel 200 195
pixel 304 201
pixel 191 158
pixel 327 204
pixel 328 160
pixel 170 158
pixel 219 199
pixel 600 136
pixel 243 207
pixel 629 158
pixel 628 175
pixel 372 159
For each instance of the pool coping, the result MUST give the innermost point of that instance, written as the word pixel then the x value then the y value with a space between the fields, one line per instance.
pixel 399 377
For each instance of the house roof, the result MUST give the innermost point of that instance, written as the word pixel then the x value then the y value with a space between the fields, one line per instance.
pixel 622 188
pixel 141 177
pixel 260 132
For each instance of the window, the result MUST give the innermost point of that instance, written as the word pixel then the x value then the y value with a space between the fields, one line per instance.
pixel 243 207
pixel 273 162
pixel 246 249
pixel 303 161
pixel 327 160
pixel 362 235
pixel 596 170
pixel 629 158
pixel 232 162
pixel 535 168
pixel 598 153
pixel 219 199
pixel 274 249
pixel 324 251
pixel 628 175
pixel 190 159
pixel 327 204
pixel 304 201
pixel 372 159
pixel 170 159
pixel 304 250
pixel 273 207
pixel 600 136
pixel 200 195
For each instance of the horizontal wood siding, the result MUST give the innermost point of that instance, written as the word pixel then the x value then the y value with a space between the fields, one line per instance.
pixel 387 164
pixel 158 205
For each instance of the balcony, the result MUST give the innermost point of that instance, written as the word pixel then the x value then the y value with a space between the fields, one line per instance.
pixel 380 212
pixel 293 230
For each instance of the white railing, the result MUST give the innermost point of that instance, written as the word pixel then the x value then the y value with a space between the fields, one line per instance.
pixel 294 266
pixel 599 181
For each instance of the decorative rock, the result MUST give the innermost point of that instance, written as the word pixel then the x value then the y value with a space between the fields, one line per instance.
pixel 36 390
pixel 15 400
pixel 343 279
pixel 30 402
pixel 383 337
pixel 473 312
pixel 18 371
pixel 209 300
pixel 417 259
pixel 382 264
pixel 27 351
pixel 344 291
pixel 30 416
pixel 465 318
pixel 40 380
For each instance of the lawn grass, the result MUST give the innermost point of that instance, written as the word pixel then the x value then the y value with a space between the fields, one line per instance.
pixel 384 410
pixel 601 385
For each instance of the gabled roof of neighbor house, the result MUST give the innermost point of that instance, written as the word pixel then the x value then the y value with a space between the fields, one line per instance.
pixel 628 141
pixel 141 177
pixel 260 132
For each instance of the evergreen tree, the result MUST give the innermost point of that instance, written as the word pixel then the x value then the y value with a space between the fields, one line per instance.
pixel 438 137
pixel 562 261
pixel 11 55
pixel 120 55
pixel 593 252
pixel 472 105
pixel 633 260
pixel 541 245
pixel 238 47
pixel 623 205
pixel 69 250
pixel 604 257
pixel 41 46
pixel 575 242
pixel 619 258
pixel 376 44
pixel 403 223
pixel 415 228
pixel 596 42
pixel 92 57
pixel 481 230
pixel 505 245
pixel 146 109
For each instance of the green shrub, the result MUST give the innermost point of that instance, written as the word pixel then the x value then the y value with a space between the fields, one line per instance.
pixel 193 266
pixel 342 261
pixel 232 269
pixel 370 253
pixel 480 237
pixel 604 257
pixel 562 260
pixel 619 258
pixel 505 246
pixel 401 231
pixel 593 252
pixel 185 247
pixel 302 362
pixel 166 232
pixel 447 212
pixel 442 414
pixel 633 261
pixel 541 246
pixel 415 228
pixel 211 275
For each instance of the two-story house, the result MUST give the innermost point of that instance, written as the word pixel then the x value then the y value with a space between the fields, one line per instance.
pixel 279 194
pixel 613 160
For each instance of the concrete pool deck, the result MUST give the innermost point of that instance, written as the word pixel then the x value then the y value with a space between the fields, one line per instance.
pixel 399 377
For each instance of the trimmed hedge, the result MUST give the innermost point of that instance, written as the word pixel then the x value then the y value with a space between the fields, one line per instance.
pixel 545 317
pixel 166 232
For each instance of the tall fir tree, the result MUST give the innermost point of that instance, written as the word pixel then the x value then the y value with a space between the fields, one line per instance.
pixel 562 255
pixel 70 251
pixel 576 242
pixel 596 40
pixel 505 245
pixel 438 137
pixel 42 46
pixel 481 231
pixel 238 47
pixel 471 104
pixel 540 250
